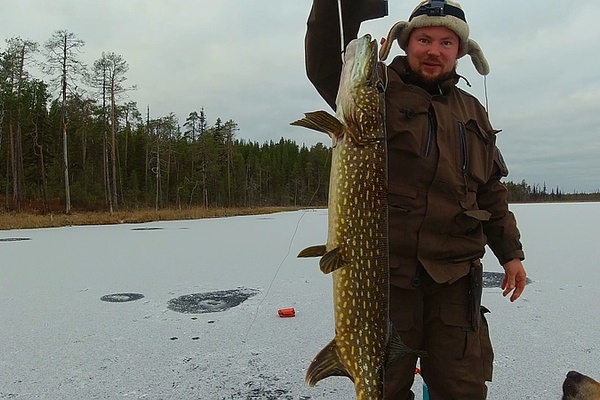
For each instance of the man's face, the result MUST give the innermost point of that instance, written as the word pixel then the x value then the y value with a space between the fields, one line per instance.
pixel 432 52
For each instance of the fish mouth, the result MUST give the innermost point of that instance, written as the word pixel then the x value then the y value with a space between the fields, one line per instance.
pixel 363 53
pixel 360 95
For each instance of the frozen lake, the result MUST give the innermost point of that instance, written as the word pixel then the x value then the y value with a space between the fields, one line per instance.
pixel 61 339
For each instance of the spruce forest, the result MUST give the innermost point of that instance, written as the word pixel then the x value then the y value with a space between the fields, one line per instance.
pixel 71 142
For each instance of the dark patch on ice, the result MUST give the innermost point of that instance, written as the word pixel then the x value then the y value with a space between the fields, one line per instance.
pixel 264 218
pixel 264 388
pixel 14 239
pixel 494 279
pixel 121 297
pixel 209 302
pixel 150 228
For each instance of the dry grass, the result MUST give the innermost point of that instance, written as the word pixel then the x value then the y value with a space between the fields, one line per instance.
pixel 23 220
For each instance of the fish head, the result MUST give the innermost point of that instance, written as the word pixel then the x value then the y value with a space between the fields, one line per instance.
pixel 360 100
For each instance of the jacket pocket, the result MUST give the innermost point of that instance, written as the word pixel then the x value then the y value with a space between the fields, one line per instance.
pixel 401 198
pixel 401 202
pixel 470 221
pixel 457 317
pixel 465 238
pixel 407 128
pixel 470 345
pixel 404 141
pixel 476 151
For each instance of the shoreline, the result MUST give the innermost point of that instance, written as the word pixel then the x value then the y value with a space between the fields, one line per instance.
pixel 30 220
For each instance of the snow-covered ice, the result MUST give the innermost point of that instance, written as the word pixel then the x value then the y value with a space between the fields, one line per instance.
pixel 59 340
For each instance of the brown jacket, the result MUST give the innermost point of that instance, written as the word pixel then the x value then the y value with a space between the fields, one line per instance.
pixel 446 201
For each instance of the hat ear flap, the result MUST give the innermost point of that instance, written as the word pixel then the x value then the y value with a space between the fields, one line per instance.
pixel 477 57
pixel 393 34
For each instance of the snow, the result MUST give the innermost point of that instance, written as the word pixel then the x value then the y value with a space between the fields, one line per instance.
pixel 58 339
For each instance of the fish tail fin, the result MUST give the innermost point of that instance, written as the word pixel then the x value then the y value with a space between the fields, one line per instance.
pixel 326 363
pixel 321 121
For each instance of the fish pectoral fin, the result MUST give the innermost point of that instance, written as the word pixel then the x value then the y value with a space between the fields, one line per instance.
pixel 396 349
pixel 326 363
pixel 331 261
pixel 313 251
pixel 321 121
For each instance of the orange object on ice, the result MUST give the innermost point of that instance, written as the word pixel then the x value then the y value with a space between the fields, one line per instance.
pixel 287 312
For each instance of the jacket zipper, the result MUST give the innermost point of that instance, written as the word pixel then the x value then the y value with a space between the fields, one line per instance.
pixel 431 134
pixel 463 152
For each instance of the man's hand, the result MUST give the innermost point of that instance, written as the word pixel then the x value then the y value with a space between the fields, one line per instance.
pixel 371 9
pixel 515 279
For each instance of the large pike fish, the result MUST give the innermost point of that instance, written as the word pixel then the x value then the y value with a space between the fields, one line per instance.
pixel 357 243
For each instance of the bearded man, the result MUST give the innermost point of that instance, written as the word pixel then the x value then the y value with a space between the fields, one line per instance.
pixel 446 199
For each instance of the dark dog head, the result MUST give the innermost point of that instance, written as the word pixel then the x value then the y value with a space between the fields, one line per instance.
pixel 580 387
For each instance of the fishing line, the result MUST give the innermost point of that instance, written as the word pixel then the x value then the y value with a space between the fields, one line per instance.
pixel 274 277
pixel 485 91
pixel 341 19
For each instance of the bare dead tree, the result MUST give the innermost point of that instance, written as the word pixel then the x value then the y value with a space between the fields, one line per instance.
pixel 62 60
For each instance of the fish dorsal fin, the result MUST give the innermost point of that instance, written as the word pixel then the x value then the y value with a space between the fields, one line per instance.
pixel 396 349
pixel 321 121
pixel 313 251
pixel 326 363
pixel 331 261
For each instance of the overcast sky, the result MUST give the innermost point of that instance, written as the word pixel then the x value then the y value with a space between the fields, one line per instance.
pixel 243 60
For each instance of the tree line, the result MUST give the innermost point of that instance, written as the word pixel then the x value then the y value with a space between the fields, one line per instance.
pixel 72 141
pixel 523 192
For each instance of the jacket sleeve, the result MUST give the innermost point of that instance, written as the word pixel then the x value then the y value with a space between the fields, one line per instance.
pixel 323 56
pixel 504 238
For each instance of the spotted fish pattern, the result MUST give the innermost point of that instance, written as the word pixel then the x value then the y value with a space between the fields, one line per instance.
pixel 356 252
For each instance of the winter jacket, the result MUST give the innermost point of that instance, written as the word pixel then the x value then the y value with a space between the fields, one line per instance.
pixel 446 200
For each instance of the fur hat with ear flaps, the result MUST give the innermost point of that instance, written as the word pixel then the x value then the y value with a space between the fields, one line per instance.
pixel 438 13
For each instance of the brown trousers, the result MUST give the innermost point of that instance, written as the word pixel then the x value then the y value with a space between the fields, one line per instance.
pixel 437 318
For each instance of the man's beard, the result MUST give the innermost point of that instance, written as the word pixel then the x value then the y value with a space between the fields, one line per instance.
pixel 426 81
